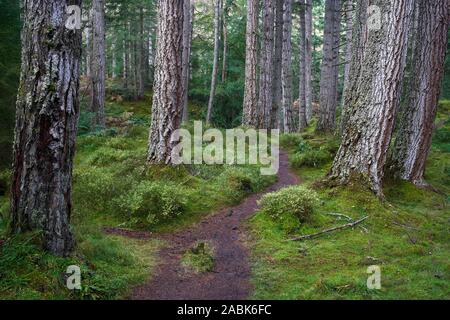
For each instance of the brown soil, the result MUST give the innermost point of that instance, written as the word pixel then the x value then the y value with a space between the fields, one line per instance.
pixel 230 279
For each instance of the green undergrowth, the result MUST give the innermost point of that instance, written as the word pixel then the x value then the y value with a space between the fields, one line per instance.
pixel 406 236
pixel 113 186
pixel 199 258
pixel 109 266
pixel 112 178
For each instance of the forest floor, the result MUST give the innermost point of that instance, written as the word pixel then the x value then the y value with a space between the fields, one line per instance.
pixel 229 274
pixel 406 235
pixel 114 188
pixel 150 233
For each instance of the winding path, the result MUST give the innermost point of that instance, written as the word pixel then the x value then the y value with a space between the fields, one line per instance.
pixel 230 279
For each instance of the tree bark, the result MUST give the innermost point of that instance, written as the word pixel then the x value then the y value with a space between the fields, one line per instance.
pixel 126 57
pixel 187 42
pixel 113 58
pixel 278 53
pixel 250 116
pixel 168 84
pixel 98 64
pixel 141 56
pixel 348 38
pixel 413 141
pixel 376 72
pixel 348 56
pixel 330 69
pixel 136 71
pixel 216 59
pixel 302 122
pixel 88 53
pixel 225 40
pixel 265 101
pixel 308 59
pixel 46 124
pixel 286 71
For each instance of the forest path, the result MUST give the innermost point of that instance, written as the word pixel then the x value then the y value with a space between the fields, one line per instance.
pixel 230 278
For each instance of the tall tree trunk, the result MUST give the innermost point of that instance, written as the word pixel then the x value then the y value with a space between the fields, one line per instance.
pixel 330 70
pixel 277 89
pixel 147 46
pixel 348 38
pixel 376 73
pixel 151 54
pixel 302 121
pixel 278 44
pixel 187 40
pixel 98 64
pixel 308 59
pixel 250 116
pixel 413 141
pixel 265 101
pixel 348 56
pixel 88 53
pixel 46 125
pixel 216 59
pixel 126 57
pixel 225 40
pixel 168 84
pixel 114 59
pixel 136 65
pixel 141 56
pixel 286 71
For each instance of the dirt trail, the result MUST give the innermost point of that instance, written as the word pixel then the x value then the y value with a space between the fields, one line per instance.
pixel 230 278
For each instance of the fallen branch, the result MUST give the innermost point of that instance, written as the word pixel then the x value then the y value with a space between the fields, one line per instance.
pixel 404 226
pixel 340 215
pixel 345 226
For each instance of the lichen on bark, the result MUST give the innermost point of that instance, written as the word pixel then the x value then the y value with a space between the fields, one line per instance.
pixel 47 113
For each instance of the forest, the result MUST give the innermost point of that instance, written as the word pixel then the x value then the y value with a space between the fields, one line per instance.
pixel 224 150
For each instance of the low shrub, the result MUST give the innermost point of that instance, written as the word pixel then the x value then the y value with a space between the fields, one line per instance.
pixel 444 106
pixel 205 172
pixel 238 182
pixel 441 138
pixel 137 132
pixel 94 188
pixel 290 206
pixel 4 210
pixel 152 202
pixel 291 140
pixel 199 258
pixel 311 158
pixel 85 122
pixel 5 182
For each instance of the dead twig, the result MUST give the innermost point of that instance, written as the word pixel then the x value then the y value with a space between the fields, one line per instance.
pixel 345 226
pixel 404 225
pixel 340 215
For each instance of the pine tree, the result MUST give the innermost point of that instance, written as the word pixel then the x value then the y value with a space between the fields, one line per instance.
pixel 376 73
pixel 250 116
pixel 413 141
pixel 46 125
pixel 98 64
pixel 168 84
pixel 265 100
